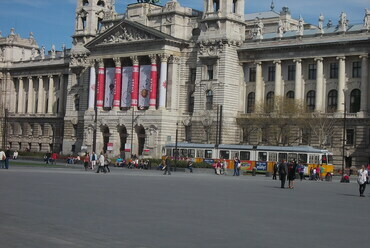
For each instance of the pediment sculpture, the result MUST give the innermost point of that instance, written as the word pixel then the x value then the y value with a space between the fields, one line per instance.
pixel 126 35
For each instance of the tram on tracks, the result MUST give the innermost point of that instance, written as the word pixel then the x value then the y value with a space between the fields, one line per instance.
pixel 259 158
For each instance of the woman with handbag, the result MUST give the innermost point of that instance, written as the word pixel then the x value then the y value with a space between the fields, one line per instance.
pixel 362 180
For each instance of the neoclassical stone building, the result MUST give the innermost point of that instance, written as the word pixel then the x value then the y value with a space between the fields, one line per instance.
pixel 130 80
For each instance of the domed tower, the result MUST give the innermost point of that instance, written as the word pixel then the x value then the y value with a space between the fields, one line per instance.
pixel 89 17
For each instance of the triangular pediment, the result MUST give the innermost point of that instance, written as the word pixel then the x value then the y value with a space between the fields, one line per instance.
pixel 127 32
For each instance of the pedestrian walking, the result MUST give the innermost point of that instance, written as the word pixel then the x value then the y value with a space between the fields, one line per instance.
pixel 2 159
pixel 237 166
pixel 300 170
pixel 107 161
pixel 166 166
pixel 15 155
pixel 93 160
pixel 291 173
pixel 276 166
pixel 7 157
pixel 190 165
pixel 86 161
pixel 101 164
pixel 283 171
pixel 224 167
pixel 362 180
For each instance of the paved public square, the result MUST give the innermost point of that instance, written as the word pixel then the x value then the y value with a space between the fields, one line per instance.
pixel 64 207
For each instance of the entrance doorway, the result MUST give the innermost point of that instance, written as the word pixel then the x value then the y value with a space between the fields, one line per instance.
pixel 106 134
pixel 141 139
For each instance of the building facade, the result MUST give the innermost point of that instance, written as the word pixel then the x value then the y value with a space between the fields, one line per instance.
pixel 131 80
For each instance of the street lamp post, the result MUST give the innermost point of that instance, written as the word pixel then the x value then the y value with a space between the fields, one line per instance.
pixel 176 140
pixel 344 134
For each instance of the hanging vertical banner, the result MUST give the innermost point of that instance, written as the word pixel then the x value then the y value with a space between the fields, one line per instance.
pixel 109 86
pixel 117 87
pixel 144 86
pixel 126 87
pixel 100 88
pixel 153 86
pixel 135 86
pixel 92 87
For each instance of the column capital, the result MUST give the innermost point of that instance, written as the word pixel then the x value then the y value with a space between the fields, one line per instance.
pixel 297 60
pixel 29 77
pixel 153 58
pixel 341 57
pixel 50 75
pixel 164 57
pixel 100 62
pixel 117 61
pixel 318 59
pixel 277 61
pixel 257 62
pixel 39 77
pixel 364 56
pixel 135 60
pixel 174 60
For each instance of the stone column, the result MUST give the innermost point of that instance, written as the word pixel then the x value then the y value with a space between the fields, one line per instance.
pixel 40 97
pixel 153 82
pixel 51 95
pixel 20 95
pixel 319 84
pixel 135 82
pixel 341 83
pixel 100 86
pixel 31 93
pixel 173 84
pixel 163 81
pixel 118 85
pixel 364 82
pixel 61 94
pixel 278 84
pixel 259 85
pixel 299 88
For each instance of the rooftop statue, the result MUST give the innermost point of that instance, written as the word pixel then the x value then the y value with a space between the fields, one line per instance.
pixel 148 1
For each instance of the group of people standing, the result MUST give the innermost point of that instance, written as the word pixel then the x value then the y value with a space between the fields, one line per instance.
pixel 93 160
pixel 288 171
pixel 4 158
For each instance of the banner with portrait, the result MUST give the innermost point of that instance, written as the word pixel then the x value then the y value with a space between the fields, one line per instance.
pixel 144 85
pixel 109 87
pixel 126 87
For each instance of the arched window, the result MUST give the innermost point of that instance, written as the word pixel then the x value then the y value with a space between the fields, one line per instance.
pixel 85 3
pixel 332 101
pixel 216 5
pixel 234 6
pixel 311 98
pixel 209 100
pixel 191 102
pixel 355 101
pixel 270 102
pixel 251 102
pixel 101 3
pixel 290 94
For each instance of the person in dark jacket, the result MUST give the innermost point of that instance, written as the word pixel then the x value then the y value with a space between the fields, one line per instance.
pixel 167 166
pixel 283 171
pixel 276 166
pixel 291 173
pixel 7 155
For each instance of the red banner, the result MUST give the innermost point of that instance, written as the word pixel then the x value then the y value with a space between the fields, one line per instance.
pixel 100 88
pixel 117 88
pixel 135 86
pixel 153 86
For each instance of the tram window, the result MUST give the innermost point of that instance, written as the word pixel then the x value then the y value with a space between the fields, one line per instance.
pixel 245 155
pixel 262 156
pixel 273 156
pixel 302 158
pixel 191 153
pixel 168 152
pixel 224 154
pixel 311 159
pixel 283 156
pixel 317 159
pixel 200 153
pixel 208 154
pixel 183 153
pixel 292 156
pixel 175 152
pixel 324 159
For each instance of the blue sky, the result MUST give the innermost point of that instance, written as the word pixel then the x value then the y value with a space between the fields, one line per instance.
pixel 52 21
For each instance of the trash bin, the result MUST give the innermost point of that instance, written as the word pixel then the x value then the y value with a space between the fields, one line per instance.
pixel 254 171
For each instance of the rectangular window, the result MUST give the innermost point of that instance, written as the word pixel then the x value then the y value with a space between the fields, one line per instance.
pixel 333 70
pixel 210 72
pixel 273 156
pixel 350 136
pixel 291 72
pixel 200 154
pixel 224 154
pixel 356 69
pixel 292 156
pixel 191 153
pixel 283 156
pixel 245 155
pixel 193 75
pixel 208 154
pixel 302 158
pixel 252 74
pixel 312 71
pixel 262 156
pixel 271 73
